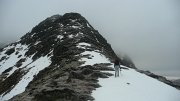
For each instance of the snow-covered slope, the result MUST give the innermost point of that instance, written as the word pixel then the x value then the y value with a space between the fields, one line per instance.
pixel 131 85
pixel 29 67
pixel 62 58
pixel 134 86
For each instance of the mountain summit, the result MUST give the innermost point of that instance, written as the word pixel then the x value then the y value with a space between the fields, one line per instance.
pixel 62 59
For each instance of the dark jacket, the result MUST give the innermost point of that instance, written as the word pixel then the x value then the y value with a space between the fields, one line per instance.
pixel 116 62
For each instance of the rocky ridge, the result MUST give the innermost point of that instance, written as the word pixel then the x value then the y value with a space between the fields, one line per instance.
pixel 49 62
pixel 58 43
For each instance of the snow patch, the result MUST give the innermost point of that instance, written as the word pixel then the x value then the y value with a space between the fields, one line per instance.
pixel 37 42
pixel 50 28
pixel 95 58
pixel 60 37
pixel 80 33
pixel 75 26
pixel 71 36
pixel 88 25
pixel 33 34
pixel 60 24
pixel 83 45
pixel 73 20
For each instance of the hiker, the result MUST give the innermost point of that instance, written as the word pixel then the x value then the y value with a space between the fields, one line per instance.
pixel 117 67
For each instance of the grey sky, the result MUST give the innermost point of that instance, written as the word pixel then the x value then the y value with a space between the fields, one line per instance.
pixel 147 30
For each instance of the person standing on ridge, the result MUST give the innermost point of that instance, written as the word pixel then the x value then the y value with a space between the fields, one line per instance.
pixel 117 67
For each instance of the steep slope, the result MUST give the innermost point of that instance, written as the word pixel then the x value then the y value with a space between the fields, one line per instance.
pixel 61 59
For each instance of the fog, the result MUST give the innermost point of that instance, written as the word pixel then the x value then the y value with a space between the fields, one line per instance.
pixel 147 30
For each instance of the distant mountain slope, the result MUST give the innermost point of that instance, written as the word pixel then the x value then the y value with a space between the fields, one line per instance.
pixel 60 59
pixel 177 82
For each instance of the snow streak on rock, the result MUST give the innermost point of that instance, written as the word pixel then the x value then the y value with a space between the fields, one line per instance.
pixel 10 59
pixel 32 70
